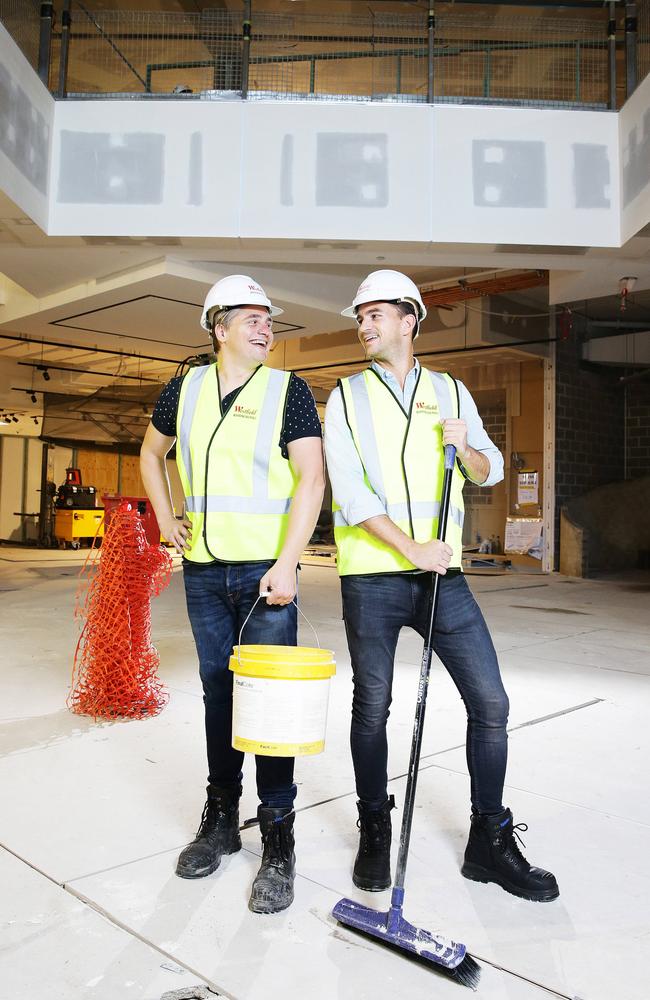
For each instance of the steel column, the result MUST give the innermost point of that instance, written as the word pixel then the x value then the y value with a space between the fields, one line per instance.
pixel 246 49
pixel 45 41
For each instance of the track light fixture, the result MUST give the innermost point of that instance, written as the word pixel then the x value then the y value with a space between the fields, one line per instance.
pixel 33 397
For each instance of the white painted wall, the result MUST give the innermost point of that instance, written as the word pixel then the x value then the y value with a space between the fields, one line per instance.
pixel 516 175
pixel 20 486
pixel 356 171
pixel 26 118
pixel 32 495
pixel 332 171
pixel 634 143
pixel 11 487
pixel 169 168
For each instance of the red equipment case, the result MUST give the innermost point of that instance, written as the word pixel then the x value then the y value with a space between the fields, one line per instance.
pixel 143 506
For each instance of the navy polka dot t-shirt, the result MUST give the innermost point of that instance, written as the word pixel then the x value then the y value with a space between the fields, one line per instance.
pixel 300 417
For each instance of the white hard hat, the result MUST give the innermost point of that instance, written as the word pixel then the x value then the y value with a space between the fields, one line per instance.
pixel 235 290
pixel 388 286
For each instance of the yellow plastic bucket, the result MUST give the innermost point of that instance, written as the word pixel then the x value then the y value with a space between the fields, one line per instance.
pixel 280 699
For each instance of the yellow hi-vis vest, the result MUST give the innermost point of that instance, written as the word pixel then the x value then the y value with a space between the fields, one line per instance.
pixel 237 485
pixel 403 460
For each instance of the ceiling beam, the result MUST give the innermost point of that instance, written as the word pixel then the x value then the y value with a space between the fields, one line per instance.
pixel 463 289
pixel 43 366
pixel 18 338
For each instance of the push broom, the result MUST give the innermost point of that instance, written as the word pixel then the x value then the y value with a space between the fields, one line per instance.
pixel 391 928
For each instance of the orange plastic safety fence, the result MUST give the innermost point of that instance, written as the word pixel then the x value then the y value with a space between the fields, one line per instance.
pixel 115 665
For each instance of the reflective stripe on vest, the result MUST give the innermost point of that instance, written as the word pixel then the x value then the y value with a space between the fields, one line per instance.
pixel 399 512
pixel 245 505
pixel 238 451
pixel 392 446
pixel 194 380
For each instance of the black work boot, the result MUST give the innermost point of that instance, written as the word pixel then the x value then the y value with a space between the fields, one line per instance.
pixel 372 863
pixel 272 889
pixel 218 834
pixel 492 855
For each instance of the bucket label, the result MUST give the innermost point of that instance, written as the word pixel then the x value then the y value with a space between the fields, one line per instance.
pixel 273 713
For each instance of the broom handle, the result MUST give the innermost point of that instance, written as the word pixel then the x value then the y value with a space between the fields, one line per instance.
pixel 420 708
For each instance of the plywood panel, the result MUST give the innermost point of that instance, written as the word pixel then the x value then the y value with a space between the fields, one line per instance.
pixel 485 509
pixel 131 484
pixel 98 469
pixel 528 434
pixel 527 439
pixel 523 384
pixel 528 428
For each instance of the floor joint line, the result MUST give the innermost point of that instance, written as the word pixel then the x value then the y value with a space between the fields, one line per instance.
pixel 144 940
pixel 525 979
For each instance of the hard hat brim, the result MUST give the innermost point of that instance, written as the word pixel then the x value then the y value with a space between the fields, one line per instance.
pixel 273 311
pixel 351 311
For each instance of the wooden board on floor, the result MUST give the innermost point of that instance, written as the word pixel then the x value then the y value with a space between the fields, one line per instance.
pixel 319 555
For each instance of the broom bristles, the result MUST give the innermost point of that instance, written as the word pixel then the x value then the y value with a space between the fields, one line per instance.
pixel 468 973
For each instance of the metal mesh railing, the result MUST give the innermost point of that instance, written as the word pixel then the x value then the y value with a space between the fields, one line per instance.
pixel 136 52
pixel 322 56
pixel 22 20
pixel 643 41
pixel 523 59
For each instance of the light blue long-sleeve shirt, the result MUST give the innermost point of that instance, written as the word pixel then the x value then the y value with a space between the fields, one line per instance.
pixel 356 500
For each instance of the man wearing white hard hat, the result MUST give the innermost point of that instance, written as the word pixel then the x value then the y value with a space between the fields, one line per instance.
pixel 385 432
pixel 249 456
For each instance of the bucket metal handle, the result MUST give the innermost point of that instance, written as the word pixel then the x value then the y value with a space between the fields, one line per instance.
pixel 266 593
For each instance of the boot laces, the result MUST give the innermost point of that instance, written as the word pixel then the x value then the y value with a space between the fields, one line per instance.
pixel 523 827
pixel 274 844
pixel 204 819
pixel 212 810
pixel 510 843
pixel 374 832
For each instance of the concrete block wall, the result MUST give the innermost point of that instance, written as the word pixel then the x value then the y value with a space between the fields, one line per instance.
pixel 589 427
pixel 494 421
pixel 637 426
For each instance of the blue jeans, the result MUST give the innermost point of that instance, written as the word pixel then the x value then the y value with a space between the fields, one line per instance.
pixel 219 597
pixel 375 608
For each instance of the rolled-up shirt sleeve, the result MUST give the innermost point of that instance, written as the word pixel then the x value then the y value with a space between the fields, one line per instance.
pixel 349 488
pixel 477 438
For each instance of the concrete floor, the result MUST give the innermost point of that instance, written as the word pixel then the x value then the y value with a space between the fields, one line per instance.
pixel 94 813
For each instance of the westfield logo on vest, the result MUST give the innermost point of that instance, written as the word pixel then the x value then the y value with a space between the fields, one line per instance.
pixel 426 408
pixel 248 412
